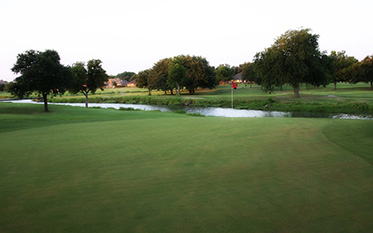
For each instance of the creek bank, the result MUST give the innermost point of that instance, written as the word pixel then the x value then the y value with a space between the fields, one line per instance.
pixel 348 107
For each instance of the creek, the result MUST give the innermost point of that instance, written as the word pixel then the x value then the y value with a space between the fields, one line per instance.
pixel 210 111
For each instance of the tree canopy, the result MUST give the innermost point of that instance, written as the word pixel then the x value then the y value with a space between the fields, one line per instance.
pixel 41 72
pixel 159 75
pixel 143 80
pixel 177 76
pixel 364 71
pixel 198 74
pixel 341 67
pixel 294 58
pixel 88 80
pixel 127 75
pixel 224 72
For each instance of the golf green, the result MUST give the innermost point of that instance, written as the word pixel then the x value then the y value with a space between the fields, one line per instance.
pixel 104 170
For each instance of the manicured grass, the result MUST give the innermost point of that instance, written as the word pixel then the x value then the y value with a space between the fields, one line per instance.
pixel 104 170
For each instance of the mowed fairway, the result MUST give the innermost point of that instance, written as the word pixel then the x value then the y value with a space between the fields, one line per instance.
pixel 103 170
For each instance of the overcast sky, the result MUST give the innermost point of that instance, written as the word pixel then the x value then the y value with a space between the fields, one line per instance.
pixel 133 35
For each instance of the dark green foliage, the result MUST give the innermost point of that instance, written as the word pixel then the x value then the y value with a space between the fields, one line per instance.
pixel 224 72
pixel 364 71
pixel 88 80
pixel 341 67
pixel 177 75
pixel 159 75
pixel 293 59
pixel 143 80
pixel 129 76
pixel 249 74
pixel 41 72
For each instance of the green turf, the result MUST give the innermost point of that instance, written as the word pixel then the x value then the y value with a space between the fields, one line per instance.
pixel 103 170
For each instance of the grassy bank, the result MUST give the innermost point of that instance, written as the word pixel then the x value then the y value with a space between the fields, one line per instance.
pixel 347 98
pixel 105 170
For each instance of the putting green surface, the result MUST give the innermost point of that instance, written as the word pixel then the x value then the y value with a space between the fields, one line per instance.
pixel 92 170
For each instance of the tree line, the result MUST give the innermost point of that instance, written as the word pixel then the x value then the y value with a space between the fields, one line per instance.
pixel 293 59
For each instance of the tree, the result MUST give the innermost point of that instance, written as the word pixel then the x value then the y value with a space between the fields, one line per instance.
pixel 88 80
pixel 224 72
pixel 248 73
pixel 342 70
pixel 143 80
pixel 8 86
pixel 177 76
pixel 127 75
pixel 199 72
pixel 266 66
pixel 364 70
pixel 41 72
pixel 159 75
pixel 295 58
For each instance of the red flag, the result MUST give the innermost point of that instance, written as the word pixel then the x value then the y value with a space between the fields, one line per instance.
pixel 234 86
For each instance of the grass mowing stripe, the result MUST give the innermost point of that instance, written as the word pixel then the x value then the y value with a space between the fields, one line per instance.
pixel 354 136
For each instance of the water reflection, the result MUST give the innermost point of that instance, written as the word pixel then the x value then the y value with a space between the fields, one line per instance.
pixel 228 112
pixel 218 112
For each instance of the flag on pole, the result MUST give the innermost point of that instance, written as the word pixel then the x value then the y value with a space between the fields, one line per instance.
pixel 234 86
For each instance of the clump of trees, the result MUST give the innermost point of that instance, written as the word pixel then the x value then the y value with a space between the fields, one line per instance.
pixel 224 72
pixel 293 59
pixel 42 72
pixel 341 67
pixel 127 75
pixel 184 71
pixel 363 71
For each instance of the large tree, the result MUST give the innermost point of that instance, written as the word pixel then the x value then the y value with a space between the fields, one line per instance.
pixel 41 72
pixel 342 67
pixel 143 80
pixel 224 72
pixel 199 72
pixel 249 74
pixel 267 66
pixel 159 75
pixel 177 75
pixel 296 59
pixel 364 71
pixel 88 80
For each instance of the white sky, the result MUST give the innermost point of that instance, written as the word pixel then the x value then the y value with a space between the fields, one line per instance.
pixel 133 35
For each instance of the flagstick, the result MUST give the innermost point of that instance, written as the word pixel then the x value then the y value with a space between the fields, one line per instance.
pixel 232 100
pixel 232 97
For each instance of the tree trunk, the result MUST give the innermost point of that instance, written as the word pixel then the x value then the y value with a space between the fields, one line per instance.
pixel 296 91
pixel 86 100
pixel 371 85
pixel 45 102
pixel 172 91
pixel 178 89
pixel 335 85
